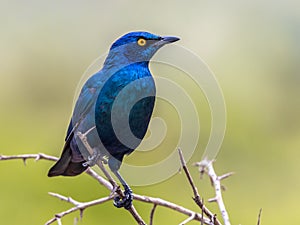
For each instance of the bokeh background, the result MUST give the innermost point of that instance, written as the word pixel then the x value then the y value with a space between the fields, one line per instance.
pixel 252 47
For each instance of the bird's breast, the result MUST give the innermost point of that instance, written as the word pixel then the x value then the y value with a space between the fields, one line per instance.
pixel 124 108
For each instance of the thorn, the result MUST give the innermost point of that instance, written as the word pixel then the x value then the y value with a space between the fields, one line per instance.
pixel 212 199
pixel 81 214
pixel 226 175
pixel 24 161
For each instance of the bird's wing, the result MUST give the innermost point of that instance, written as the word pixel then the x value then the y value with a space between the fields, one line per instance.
pixel 70 162
pixel 85 103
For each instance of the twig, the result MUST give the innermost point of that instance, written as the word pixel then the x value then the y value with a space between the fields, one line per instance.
pixel 24 157
pixel 146 199
pixel 78 206
pixel 207 166
pixel 107 185
pixel 195 190
pixel 63 198
pixel 152 214
pixel 259 215
pixel 170 205
pixel 188 220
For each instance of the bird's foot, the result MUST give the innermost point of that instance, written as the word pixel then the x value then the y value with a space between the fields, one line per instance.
pixel 125 202
pixel 92 159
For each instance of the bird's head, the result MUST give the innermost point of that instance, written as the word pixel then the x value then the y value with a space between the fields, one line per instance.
pixel 137 47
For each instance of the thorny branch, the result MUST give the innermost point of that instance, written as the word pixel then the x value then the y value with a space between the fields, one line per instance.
pixel 196 197
pixel 29 156
pixel 81 206
pixel 78 206
pixel 206 166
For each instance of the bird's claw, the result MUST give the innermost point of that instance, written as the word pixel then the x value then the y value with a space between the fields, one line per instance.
pixel 92 159
pixel 125 202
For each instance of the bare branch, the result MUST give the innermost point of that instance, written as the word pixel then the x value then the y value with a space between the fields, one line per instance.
pixel 24 157
pixel 146 199
pixel 190 179
pixel 206 166
pixel 172 206
pixel 109 186
pixel 195 191
pixel 79 206
pixel 63 198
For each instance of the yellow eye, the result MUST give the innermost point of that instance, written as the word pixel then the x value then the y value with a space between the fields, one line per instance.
pixel 142 42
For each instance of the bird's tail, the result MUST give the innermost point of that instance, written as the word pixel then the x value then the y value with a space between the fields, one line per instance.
pixel 65 167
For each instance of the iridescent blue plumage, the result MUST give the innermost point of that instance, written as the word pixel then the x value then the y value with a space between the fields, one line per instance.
pixel 115 106
pixel 135 88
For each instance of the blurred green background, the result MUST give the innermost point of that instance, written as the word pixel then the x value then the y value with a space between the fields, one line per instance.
pixel 252 47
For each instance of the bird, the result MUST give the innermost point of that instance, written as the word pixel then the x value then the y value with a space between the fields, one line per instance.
pixel 113 109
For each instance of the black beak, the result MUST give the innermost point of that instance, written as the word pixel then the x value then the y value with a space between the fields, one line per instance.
pixel 169 39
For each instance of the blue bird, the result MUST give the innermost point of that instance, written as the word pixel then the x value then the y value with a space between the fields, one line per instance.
pixel 113 109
